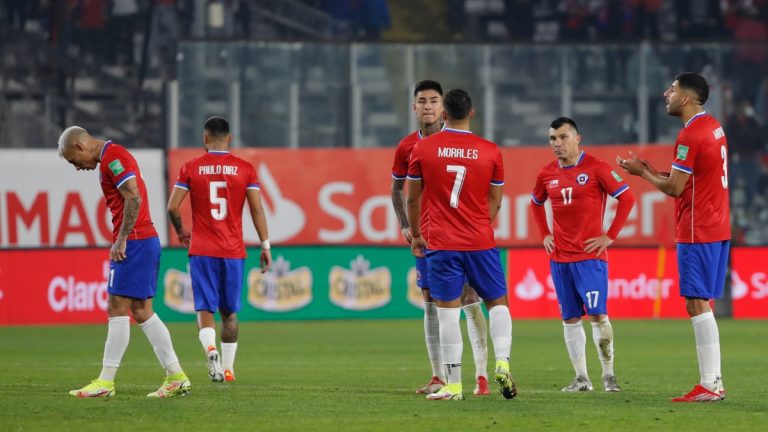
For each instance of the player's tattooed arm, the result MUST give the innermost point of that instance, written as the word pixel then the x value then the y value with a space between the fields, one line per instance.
pixel 398 203
pixel 131 205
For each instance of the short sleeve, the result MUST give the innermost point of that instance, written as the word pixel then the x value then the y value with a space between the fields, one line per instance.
pixel 685 153
pixel 610 180
pixel 253 179
pixel 539 195
pixel 119 168
pixel 498 169
pixel 414 166
pixel 182 181
pixel 400 164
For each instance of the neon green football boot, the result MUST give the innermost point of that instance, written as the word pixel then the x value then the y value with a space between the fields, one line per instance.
pixel 174 385
pixel 97 388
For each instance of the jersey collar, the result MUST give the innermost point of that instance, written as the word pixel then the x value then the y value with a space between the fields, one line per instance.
pixel 104 149
pixel 581 158
pixel 697 115
pixel 447 129
pixel 218 152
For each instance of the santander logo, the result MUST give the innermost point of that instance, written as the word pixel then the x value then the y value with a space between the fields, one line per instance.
pixel 285 217
pixel 739 288
pixel 529 288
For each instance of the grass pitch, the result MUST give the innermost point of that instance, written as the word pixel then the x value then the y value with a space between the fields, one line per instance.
pixel 361 375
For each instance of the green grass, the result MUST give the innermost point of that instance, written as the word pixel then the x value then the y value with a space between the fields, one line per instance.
pixel 360 375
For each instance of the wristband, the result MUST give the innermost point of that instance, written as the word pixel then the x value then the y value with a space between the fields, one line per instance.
pixel 265 245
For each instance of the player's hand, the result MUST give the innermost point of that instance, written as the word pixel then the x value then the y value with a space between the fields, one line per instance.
pixel 265 260
pixel 418 245
pixel 407 234
pixel 117 251
pixel 184 237
pixel 549 243
pixel 632 164
pixel 597 244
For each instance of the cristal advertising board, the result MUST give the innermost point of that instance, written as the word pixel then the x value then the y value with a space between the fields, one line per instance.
pixel 342 196
pixel 45 202
pixel 69 286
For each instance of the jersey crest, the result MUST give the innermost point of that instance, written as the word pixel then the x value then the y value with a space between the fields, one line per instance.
pixel 582 179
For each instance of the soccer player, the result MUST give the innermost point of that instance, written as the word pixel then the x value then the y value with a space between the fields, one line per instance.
pixel 218 183
pixel 577 184
pixel 459 178
pixel 699 182
pixel 134 262
pixel 427 104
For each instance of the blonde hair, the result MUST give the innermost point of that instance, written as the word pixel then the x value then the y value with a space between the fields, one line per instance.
pixel 69 137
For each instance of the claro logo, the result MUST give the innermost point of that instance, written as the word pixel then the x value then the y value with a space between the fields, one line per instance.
pixel 65 293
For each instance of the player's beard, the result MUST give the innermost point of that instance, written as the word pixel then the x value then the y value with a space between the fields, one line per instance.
pixel 674 109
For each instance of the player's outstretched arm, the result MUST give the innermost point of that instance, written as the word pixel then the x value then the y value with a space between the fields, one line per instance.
pixel 671 185
pixel 132 203
pixel 398 203
pixel 260 223
pixel 174 214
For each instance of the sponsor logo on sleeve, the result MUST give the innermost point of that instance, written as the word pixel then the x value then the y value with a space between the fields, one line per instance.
pixel 617 176
pixel 116 167
pixel 280 289
pixel 682 152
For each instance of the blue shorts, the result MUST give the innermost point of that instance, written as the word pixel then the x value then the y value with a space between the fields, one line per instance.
pixel 701 267
pixel 450 270
pixel 136 275
pixel 422 273
pixel 581 285
pixel 217 283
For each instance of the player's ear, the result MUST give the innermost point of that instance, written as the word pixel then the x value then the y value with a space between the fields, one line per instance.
pixel 471 113
pixel 444 115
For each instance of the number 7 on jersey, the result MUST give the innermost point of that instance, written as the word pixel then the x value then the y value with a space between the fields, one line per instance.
pixel 461 172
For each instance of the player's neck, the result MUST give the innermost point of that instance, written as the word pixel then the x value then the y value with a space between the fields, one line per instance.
pixel 427 130
pixel 689 112
pixel 99 148
pixel 572 160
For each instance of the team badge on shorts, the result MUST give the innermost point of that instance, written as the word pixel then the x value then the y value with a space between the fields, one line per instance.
pixel 582 179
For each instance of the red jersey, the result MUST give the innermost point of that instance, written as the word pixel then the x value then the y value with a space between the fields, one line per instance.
pixel 702 211
pixel 578 197
pixel 217 182
pixel 456 169
pixel 400 171
pixel 117 166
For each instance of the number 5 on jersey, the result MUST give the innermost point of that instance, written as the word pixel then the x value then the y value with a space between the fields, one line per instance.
pixel 221 212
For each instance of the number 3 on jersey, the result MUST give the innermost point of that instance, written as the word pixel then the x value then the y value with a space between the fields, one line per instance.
pixel 221 212
pixel 461 172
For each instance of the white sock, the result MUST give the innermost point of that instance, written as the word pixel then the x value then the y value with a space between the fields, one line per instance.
pixel 207 336
pixel 575 341
pixel 451 344
pixel 478 337
pixel 228 351
pixel 501 331
pixel 707 348
pixel 160 339
pixel 432 338
pixel 602 336
pixel 118 335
